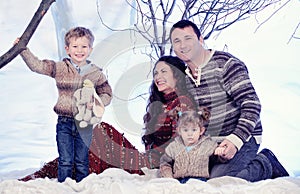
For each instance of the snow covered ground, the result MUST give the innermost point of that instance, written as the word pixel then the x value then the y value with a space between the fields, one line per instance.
pixel 116 181
pixel 27 135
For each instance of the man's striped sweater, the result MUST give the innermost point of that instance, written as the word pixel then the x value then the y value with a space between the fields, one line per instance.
pixel 225 88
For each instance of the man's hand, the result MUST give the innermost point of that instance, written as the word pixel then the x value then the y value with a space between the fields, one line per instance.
pixel 229 151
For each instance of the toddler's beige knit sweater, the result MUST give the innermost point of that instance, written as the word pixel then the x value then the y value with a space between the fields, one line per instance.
pixel 177 162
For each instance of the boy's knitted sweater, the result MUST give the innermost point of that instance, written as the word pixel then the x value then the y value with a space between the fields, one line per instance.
pixel 177 162
pixel 68 81
pixel 227 91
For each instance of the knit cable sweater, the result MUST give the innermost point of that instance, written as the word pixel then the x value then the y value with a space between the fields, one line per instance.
pixel 177 162
pixel 68 81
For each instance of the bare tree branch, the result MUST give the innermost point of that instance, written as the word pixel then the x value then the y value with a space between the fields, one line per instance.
pixel 24 39
pixel 293 35
pixel 154 16
pixel 272 14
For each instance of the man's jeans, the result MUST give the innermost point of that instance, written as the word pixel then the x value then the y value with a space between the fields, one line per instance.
pixel 73 146
pixel 246 164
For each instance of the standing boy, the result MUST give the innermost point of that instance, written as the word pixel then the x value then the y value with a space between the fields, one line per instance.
pixel 72 141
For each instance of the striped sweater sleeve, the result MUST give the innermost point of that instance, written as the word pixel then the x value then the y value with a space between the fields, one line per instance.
pixel 237 84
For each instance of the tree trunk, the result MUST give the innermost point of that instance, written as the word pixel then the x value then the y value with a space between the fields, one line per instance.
pixel 24 39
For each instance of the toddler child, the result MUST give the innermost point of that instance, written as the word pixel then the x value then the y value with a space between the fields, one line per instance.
pixel 188 155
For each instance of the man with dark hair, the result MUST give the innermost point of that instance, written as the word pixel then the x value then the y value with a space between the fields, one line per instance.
pixel 220 81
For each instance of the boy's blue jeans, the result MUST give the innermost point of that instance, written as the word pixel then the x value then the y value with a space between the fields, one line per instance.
pixel 246 164
pixel 73 147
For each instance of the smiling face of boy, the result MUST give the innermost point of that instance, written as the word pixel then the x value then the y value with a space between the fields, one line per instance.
pixel 79 50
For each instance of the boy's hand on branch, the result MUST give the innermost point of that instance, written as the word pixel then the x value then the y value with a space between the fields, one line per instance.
pixel 17 41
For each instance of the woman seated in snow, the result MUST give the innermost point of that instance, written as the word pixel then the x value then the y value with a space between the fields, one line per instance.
pixel 168 96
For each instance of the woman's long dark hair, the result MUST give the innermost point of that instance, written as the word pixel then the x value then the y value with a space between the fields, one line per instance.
pixel 156 98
